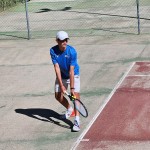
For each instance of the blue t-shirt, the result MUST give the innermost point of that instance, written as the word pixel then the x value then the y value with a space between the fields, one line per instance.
pixel 65 59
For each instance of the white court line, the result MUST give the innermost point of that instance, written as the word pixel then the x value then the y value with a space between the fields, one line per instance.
pixel 142 61
pixel 100 110
pixel 139 75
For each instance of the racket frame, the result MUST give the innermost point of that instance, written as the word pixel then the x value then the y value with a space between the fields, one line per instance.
pixel 73 99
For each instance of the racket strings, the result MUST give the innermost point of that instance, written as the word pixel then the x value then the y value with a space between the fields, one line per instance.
pixel 79 106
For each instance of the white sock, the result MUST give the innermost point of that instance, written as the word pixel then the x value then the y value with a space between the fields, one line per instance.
pixel 77 118
pixel 70 109
pixel 69 112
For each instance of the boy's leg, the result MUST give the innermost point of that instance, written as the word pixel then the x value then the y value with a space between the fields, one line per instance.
pixel 76 126
pixel 60 97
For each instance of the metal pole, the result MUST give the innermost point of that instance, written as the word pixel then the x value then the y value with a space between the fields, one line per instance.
pixel 138 16
pixel 27 18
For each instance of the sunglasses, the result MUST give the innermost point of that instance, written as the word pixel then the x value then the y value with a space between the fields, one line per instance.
pixel 65 40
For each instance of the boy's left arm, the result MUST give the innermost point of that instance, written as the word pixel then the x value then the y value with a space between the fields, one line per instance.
pixel 71 80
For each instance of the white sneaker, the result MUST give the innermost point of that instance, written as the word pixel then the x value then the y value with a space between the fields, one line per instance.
pixel 76 126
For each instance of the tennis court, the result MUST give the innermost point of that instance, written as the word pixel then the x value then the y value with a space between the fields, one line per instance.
pixel 123 123
pixel 28 109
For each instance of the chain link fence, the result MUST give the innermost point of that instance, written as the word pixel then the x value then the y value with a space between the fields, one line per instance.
pixel 78 17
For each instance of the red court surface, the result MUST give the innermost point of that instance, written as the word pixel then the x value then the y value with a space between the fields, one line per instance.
pixel 124 122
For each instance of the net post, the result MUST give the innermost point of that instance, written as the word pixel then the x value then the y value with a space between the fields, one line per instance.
pixel 27 18
pixel 138 15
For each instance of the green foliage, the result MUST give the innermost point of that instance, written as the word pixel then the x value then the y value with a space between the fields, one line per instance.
pixel 4 4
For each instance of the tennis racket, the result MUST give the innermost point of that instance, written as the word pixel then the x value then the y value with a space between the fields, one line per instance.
pixel 79 106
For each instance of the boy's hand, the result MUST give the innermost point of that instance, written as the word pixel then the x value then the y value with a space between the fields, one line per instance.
pixel 72 92
pixel 63 89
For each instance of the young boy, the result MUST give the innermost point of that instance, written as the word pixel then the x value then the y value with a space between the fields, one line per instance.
pixel 64 58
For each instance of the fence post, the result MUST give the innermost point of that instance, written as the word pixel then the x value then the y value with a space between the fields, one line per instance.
pixel 27 18
pixel 138 15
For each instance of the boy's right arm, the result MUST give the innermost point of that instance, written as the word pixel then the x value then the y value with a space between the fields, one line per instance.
pixel 58 75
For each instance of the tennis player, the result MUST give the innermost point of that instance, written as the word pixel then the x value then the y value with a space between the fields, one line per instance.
pixel 64 58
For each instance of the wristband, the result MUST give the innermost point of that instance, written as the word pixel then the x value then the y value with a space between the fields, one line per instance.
pixel 72 88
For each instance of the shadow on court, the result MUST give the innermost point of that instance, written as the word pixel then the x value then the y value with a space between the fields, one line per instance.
pixel 45 115
pixel 42 10
pixel 13 36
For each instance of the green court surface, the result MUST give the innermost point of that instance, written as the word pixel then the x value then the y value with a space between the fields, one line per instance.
pixel 79 17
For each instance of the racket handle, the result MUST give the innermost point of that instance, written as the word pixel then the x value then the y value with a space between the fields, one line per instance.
pixel 66 93
pixel 69 94
pixel 74 97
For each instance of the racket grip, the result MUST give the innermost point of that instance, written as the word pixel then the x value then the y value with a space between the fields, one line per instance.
pixel 74 97
pixel 66 93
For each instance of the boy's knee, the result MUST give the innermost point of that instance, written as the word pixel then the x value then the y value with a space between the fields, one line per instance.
pixel 58 96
